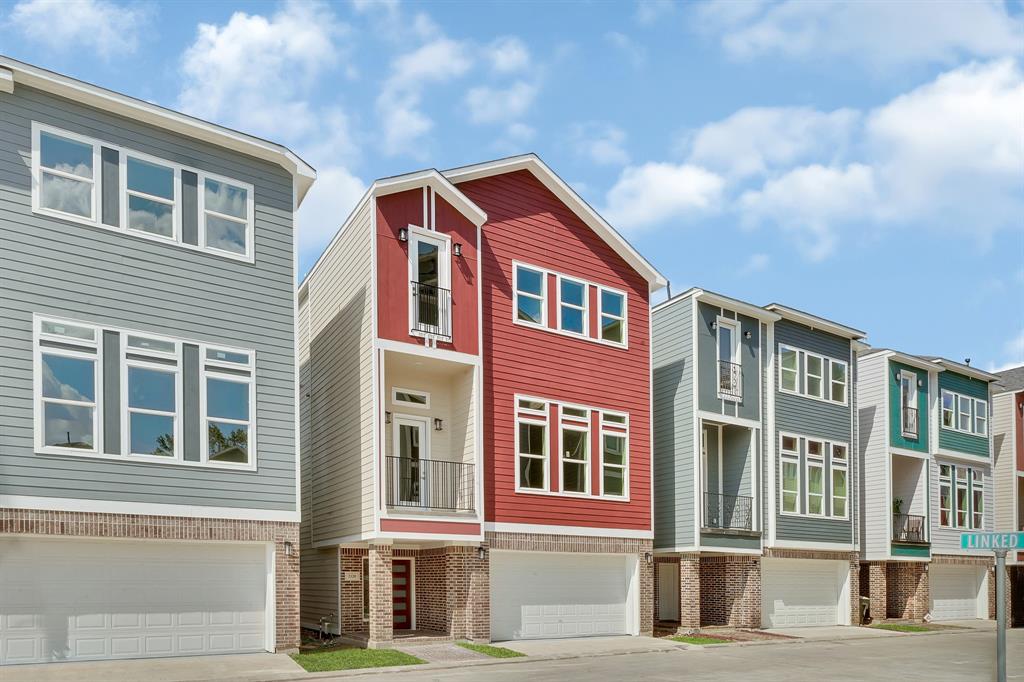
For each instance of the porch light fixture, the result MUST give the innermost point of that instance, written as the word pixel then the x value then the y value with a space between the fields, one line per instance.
pixel 648 557
pixel 746 334
pixel 481 553
pixel 288 549
pixel 920 383
pixel 387 417
pixel 714 324
pixel 403 234
pixel 438 423
pixel 457 249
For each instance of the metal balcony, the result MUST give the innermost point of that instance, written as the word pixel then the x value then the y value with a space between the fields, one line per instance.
pixel 432 311
pixel 728 512
pixel 429 484
pixel 730 380
pixel 908 528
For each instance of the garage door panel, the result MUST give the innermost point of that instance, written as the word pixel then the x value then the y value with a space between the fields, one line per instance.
pixel 70 599
pixel 955 591
pixel 801 592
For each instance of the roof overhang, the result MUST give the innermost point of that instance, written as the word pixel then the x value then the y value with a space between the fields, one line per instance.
pixel 436 181
pixel 816 322
pixel 711 298
pixel 568 196
pixel 914 361
pixel 13 72
pixel 959 368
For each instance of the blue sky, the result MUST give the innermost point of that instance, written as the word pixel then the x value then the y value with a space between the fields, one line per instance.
pixel 862 161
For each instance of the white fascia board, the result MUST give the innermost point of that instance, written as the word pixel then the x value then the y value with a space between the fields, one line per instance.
pixel 815 322
pixel 916 362
pixel 959 368
pixel 570 198
pixel 748 309
pixel 158 116
pixel 439 183
pixel 6 80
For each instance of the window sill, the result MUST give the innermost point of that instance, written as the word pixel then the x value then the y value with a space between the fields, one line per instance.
pixel 574 496
pixel 58 452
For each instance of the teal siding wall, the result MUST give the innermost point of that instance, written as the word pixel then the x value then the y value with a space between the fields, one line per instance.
pixel 896 437
pixel 957 440
pixel 672 387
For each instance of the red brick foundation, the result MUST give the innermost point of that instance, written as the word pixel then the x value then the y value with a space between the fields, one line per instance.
pixel 877 583
pixel 907 593
pixel 140 527
pixel 730 591
pixel 688 590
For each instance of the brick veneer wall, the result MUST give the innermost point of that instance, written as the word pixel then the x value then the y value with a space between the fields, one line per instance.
pixel 536 542
pixel 851 558
pixel 141 527
pixel 907 592
pixel 430 585
pixel 730 591
pixel 878 578
pixel 688 589
pixel 381 628
pixel 351 616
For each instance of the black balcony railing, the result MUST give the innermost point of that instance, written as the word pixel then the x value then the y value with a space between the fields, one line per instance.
pixel 910 421
pixel 432 310
pixel 429 484
pixel 730 379
pixel 907 528
pixel 732 512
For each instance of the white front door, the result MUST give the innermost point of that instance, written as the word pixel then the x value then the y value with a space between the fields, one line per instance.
pixel 547 595
pixel 68 599
pixel 668 591
pixel 411 445
pixel 803 592
pixel 956 592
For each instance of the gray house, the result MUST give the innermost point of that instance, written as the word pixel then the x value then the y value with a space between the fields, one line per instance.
pixel 148 492
pixel 753 412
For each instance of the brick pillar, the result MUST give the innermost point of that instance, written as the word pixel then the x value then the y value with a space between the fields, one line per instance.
pixel 689 592
pixel 478 611
pixel 854 590
pixel 286 579
pixel 381 599
pixel 646 595
pixel 877 591
pixel 907 590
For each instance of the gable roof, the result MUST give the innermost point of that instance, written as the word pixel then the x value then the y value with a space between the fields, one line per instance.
pixel 13 72
pixel 722 301
pixel 568 196
pixel 436 181
pixel 1009 380
pixel 816 322
pixel 960 367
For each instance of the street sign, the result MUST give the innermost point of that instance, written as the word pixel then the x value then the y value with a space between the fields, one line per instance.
pixel 987 542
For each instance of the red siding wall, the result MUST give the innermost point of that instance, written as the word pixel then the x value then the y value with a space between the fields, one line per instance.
pixel 402 209
pixel 529 224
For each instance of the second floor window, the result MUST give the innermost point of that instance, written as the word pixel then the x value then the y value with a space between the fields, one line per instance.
pixel 67 174
pixel 67 361
pixel 531 285
pixel 153 405
pixel 150 197
pixel 816 376
pixel 961 497
pixel 821 486
pixel 572 306
pixel 790 462
pixel 908 404
pixel 964 413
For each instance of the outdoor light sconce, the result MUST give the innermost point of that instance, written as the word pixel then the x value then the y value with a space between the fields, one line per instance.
pixel 288 549
pixel 746 334
pixel 714 324
pixel 387 417
pixel 481 553
pixel 920 383
pixel 438 423
pixel 403 234
pixel 458 250
pixel 648 557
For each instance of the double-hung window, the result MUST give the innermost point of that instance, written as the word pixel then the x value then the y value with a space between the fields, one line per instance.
pixel 948 409
pixel 531 444
pixel 815 478
pixel 614 454
pixel 812 375
pixel 789 369
pixel 980 417
pixel 613 315
pixel 837 384
pixel 815 375
pixel 977 500
pixel 152 401
pixel 946 496
pixel 151 196
pixel 839 466
pixel 965 417
pixel 228 396
pixel 530 295
pixel 226 216
pixel 68 358
pixel 961 497
pixel 574 446
pixel 964 414
pixel 67 169
pixel 790 462
pixel 572 306
pixel 908 403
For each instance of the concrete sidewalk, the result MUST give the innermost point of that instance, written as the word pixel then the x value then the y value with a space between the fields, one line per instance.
pixel 589 646
pixel 268 667
pixel 832 633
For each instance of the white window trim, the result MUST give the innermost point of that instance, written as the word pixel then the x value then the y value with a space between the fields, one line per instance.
pixel 395 400
pixel 601 291
pixel 792 456
pixel 98 451
pixel 815 461
pixel 803 476
pixel 735 354
pixel 972 403
pixel 37 382
pixel 833 466
pixel 915 399
pixel 831 382
pixel 949 481
pixel 535 417
pixel 622 431
pixel 801 375
pixel 127 410
pixel 976 485
pixel 444 263
pixel 584 309
pixel 544 326
pixel 822 378
pixel 568 425
pixel 175 202
pixel 974 480
pixel 209 370
pixel 123 152
pixel 984 432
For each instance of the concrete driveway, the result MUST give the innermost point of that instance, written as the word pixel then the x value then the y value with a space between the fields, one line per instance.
pixel 239 667
pixel 833 632
pixel 585 646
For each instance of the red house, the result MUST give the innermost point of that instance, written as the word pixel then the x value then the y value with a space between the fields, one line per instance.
pixel 476 439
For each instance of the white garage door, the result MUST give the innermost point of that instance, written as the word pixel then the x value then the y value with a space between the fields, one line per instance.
pixel 956 591
pixel 537 595
pixel 70 599
pixel 802 592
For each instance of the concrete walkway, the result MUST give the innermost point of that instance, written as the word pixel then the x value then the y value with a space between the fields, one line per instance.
pixel 833 633
pixel 587 646
pixel 444 652
pixel 267 667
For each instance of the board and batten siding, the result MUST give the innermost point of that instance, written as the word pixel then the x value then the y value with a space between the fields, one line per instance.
pixel 1004 470
pixel 65 269
pixel 804 416
pixel 950 439
pixel 672 355
pixel 873 441
pixel 337 456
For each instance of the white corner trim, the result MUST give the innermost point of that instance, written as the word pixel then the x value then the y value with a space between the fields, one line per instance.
pixel 145 508
pixel 584 531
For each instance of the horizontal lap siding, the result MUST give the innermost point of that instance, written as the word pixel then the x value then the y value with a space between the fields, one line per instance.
pixel 872 406
pixel 816 419
pixel 947 540
pixel 956 440
pixel 66 269
pixel 528 223
pixel 1004 419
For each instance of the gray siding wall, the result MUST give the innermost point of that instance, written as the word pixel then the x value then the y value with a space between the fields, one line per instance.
pixel 674 506
pixel 66 269
pixel 797 414
pixel 707 359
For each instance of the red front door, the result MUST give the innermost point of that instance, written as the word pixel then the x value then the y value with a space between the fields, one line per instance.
pixel 401 593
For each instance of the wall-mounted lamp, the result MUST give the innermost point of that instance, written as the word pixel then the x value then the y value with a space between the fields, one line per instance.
pixel 387 417
pixel 1020 406
pixel 438 423
pixel 458 250
pixel 920 383
pixel 288 548
pixel 403 234
pixel 481 553
pixel 746 334
pixel 648 557
pixel 714 324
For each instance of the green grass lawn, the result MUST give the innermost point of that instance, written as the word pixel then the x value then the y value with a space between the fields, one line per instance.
pixel 901 627
pixel 699 639
pixel 351 659
pixel 495 651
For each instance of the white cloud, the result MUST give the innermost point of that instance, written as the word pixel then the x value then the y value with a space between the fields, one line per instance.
pixel 520 132
pixel 507 55
pixel 758 139
pixel 1013 354
pixel 98 25
pixel 758 262
pixel 253 71
pixel 811 202
pixel 495 105
pixel 634 52
pixel 329 202
pixel 653 193
pixel 649 11
pixel 601 143
pixel 879 33
pixel 390 23
pixel 399 102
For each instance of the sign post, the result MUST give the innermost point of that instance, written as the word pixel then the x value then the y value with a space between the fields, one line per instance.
pixel 999 544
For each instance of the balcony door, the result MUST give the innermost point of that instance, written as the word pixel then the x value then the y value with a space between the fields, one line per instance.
pixel 411 447
pixel 429 271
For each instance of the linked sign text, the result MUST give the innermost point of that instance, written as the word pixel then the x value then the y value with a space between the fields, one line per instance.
pixel 987 542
